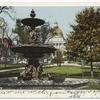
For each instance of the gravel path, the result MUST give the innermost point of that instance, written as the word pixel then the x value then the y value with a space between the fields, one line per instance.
pixel 5 70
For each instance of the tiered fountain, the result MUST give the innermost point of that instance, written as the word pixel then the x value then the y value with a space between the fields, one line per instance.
pixel 34 49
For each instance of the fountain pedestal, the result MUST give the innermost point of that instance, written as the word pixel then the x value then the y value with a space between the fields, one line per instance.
pixel 32 71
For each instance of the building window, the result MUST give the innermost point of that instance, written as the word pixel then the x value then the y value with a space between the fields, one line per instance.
pixel 60 44
pixel 57 44
pixel 54 44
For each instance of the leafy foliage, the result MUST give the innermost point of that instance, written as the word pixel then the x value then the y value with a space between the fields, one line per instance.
pixel 58 58
pixel 22 31
pixel 54 31
pixel 45 29
pixel 84 41
pixel 7 10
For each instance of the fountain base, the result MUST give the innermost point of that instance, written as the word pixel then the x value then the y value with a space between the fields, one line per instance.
pixel 32 71
pixel 69 83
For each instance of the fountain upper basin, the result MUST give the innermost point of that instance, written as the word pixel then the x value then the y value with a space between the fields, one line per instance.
pixel 33 22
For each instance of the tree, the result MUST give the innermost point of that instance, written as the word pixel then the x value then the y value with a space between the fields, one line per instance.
pixel 3 27
pixel 4 32
pixel 5 40
pixel 83 42
pixel 54 31
pixel 45 29
pixel 22 31
pixel 7 10
pixel 58 58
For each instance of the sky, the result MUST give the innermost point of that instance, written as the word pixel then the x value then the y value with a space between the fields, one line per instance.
pixel 64 16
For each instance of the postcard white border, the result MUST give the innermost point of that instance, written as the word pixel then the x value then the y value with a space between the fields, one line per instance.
pixel 46 4
pixel 49 94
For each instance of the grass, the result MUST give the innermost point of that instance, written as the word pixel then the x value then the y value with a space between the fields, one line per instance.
pixel 11 66
pixel 68 71
pixel 63 70
pixel 13 73
pixel 72 71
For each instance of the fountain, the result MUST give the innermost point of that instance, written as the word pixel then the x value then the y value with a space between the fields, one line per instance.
pixel 32 76
pixel 34 49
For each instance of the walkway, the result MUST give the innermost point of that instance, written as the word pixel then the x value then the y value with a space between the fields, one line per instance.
pixel 5 70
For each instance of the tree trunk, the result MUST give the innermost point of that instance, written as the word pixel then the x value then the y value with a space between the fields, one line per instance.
pixel 5 62
pixel 92 74
pixel 82 67
pixel 6 59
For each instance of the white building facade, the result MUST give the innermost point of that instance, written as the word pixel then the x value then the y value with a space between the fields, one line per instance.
pixel 58 41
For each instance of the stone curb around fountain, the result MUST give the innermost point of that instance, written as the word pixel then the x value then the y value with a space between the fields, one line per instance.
pixel 13 83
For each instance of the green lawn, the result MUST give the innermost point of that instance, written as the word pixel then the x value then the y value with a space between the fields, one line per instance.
pixel 10 66
pixel 72 71
pixel 13 73
pixel 63 70
pixel 68 71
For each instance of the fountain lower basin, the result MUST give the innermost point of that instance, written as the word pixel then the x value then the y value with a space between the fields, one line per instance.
pixel 33 50
pixel 13 83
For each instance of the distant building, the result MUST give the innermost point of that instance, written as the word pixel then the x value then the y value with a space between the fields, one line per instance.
pixel 6 55
pixel 57 40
